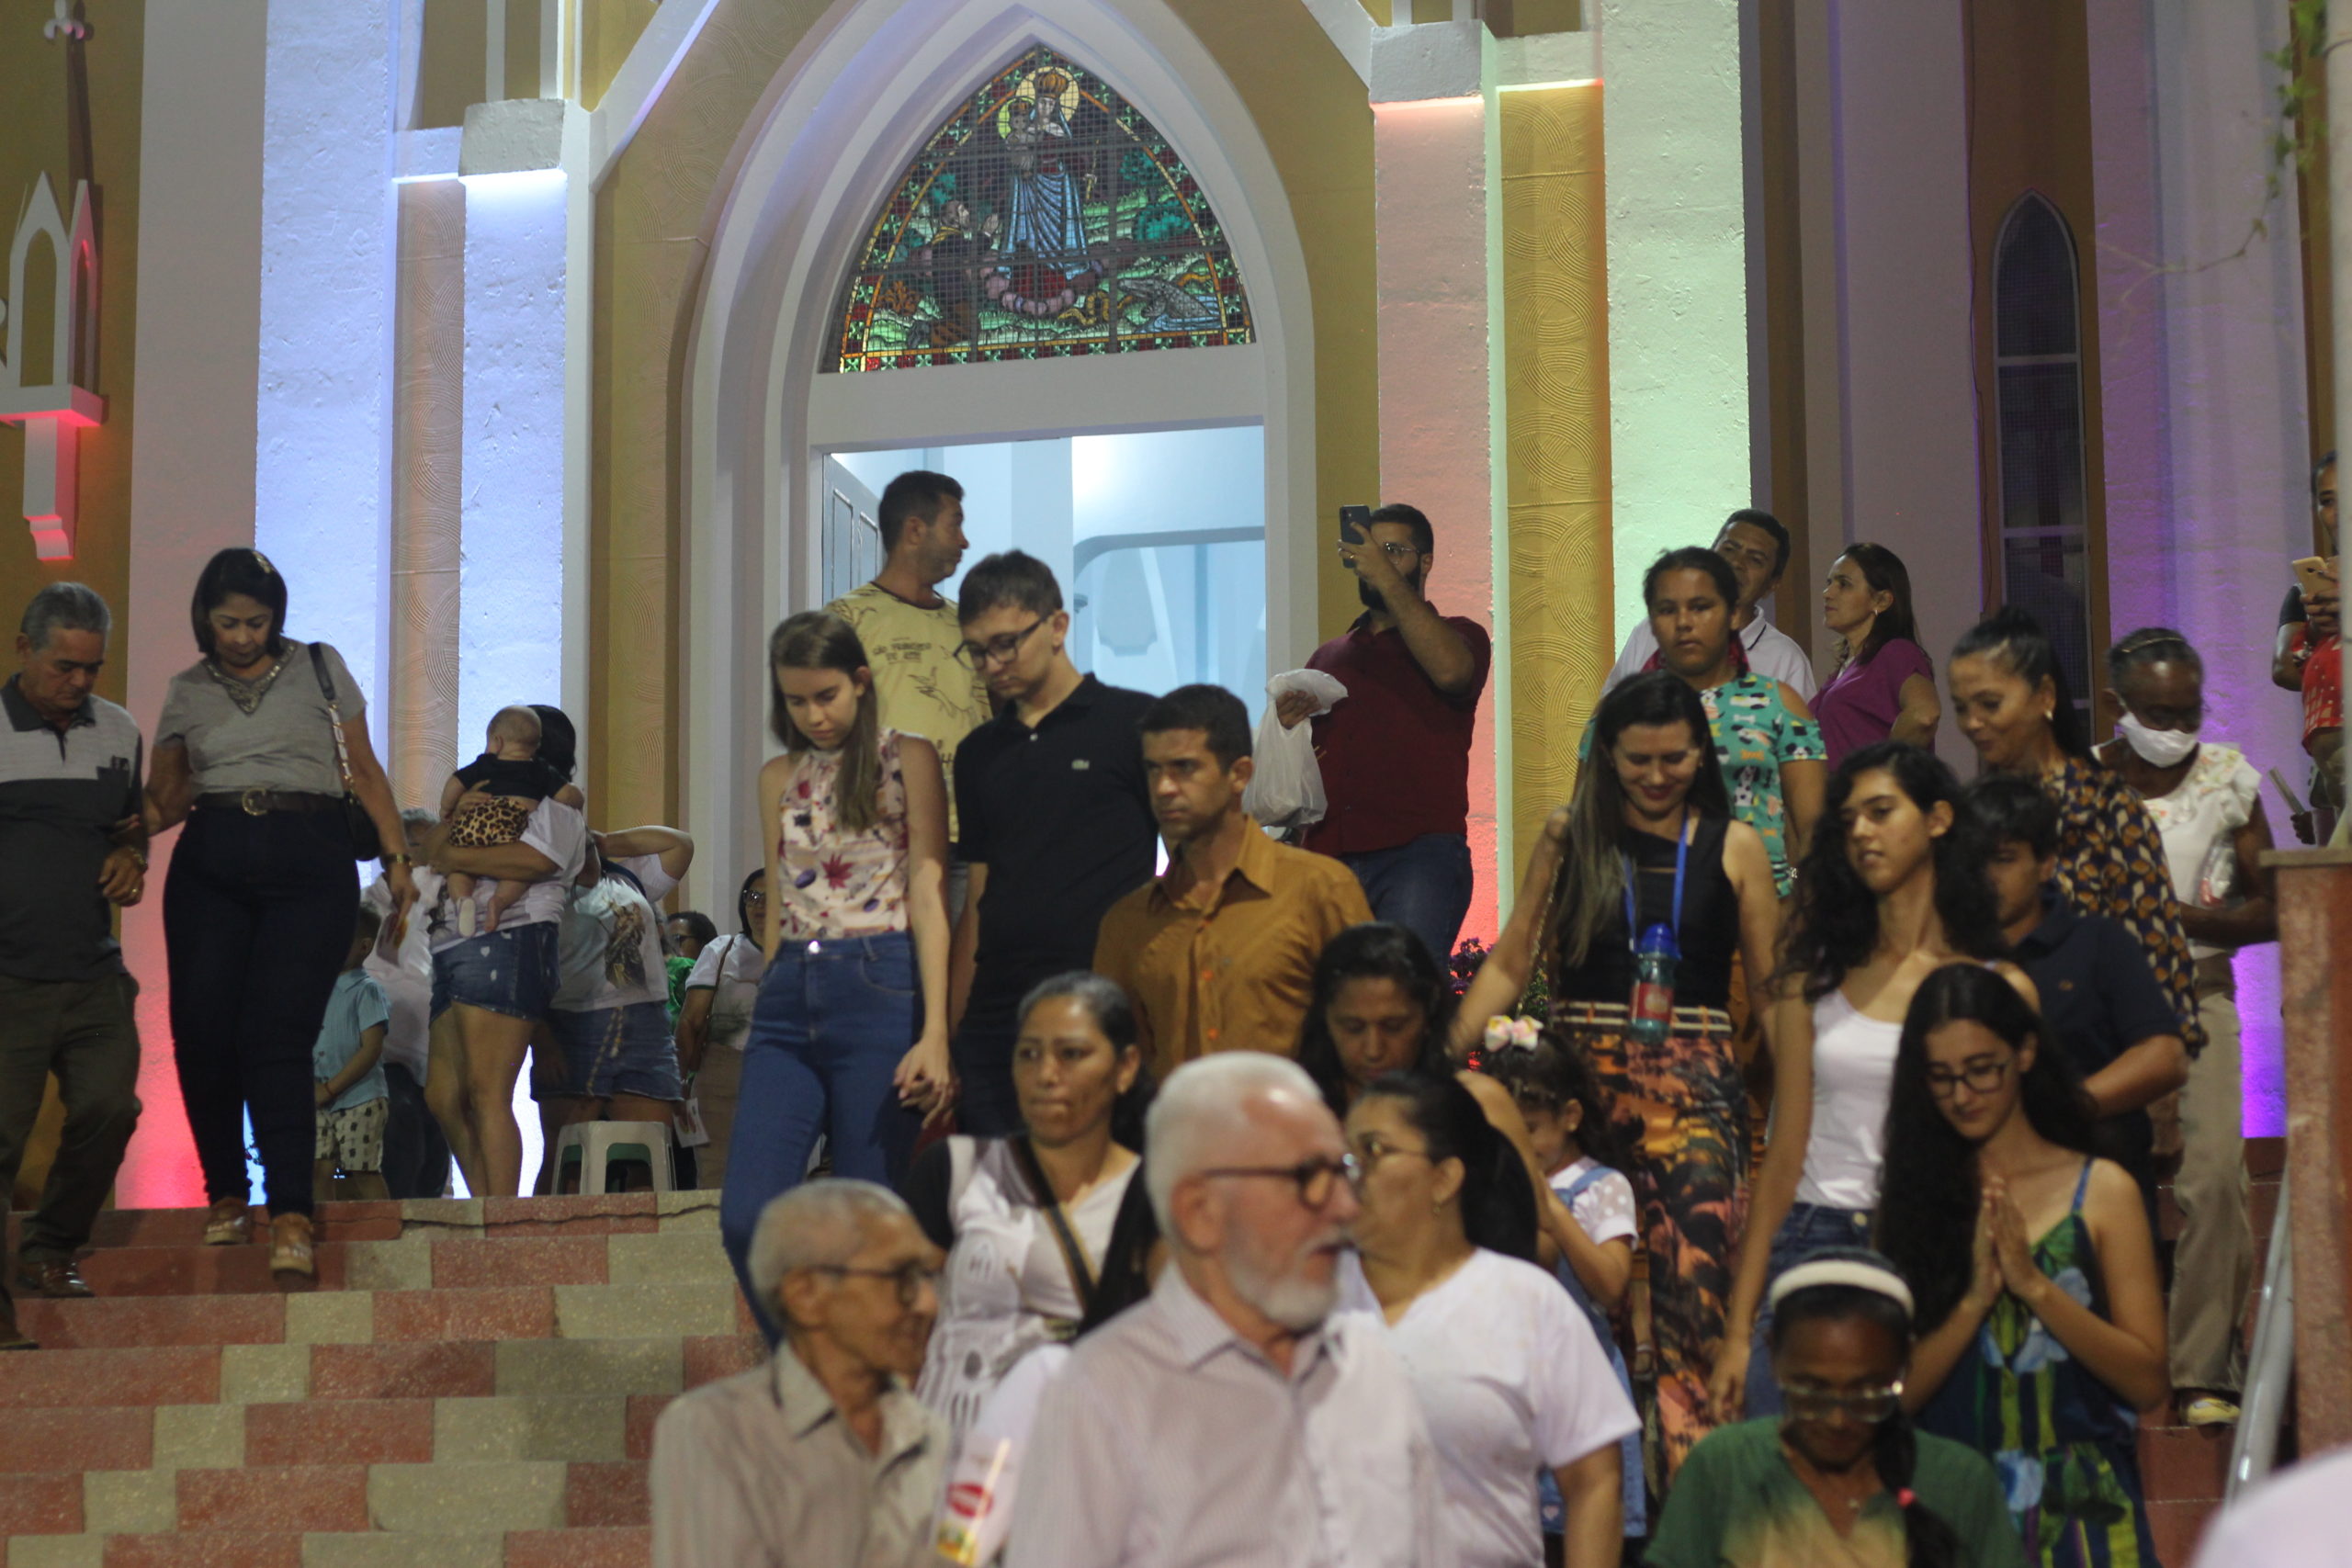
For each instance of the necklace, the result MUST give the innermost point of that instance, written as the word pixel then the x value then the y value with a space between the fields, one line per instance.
pixel 246 695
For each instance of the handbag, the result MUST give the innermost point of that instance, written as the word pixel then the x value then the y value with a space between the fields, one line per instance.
pixel 367 843
pixel 1082 1274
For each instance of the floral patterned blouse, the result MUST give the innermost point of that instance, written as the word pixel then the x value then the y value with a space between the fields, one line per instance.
pixel 2112 862
pixel 1756 735
pixel 837 884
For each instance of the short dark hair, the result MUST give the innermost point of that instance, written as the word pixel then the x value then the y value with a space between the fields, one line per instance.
pixel 1013 577
pixel 1692 558
pixel 2014 810
pixel 238 570
pixel 917 493
pixel 1771 526
pixel 1217 712
pixel 1412 518
pixel 699 925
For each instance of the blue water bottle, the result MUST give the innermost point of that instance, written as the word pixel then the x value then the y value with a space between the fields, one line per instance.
pixel 1653 1008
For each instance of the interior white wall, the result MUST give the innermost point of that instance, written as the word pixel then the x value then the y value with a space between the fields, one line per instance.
pixel 198 345
pixel 866 87
pixel 1891 371
pixel 322 480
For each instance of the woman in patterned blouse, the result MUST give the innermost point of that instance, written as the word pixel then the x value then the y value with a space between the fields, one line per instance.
pixel 2011 698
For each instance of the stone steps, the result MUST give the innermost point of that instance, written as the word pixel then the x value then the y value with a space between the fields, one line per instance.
pixel 467 1383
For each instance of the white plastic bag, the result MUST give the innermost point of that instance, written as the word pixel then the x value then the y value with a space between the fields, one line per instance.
pixel 1287 789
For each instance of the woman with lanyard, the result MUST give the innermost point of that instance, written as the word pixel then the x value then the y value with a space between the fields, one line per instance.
pixel 261 749
pixel 1645 871
pixel 1894 890
pixel 2011 698
pixel 1028 1222
pixel 720 993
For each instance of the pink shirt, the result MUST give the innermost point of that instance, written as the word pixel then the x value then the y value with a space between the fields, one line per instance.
pixel 1861 704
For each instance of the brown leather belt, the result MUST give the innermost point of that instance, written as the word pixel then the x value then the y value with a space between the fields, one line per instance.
pixel 261 801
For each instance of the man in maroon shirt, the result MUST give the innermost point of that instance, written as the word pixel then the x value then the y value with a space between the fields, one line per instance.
pixel 1396 752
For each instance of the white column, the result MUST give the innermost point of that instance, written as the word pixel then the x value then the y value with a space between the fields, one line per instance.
pixel 1678 279
pixel 510 594
pixel 192 466
pixel 321 490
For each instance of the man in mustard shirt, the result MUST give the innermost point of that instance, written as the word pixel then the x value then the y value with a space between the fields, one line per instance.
pixel 1219 954
pixel 911 633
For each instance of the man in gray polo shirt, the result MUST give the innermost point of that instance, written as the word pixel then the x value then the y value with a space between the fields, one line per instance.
pixel 71 850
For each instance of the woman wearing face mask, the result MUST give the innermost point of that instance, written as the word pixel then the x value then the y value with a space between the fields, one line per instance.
pixel 2012 701
pixel 2041 1317
pixel 2206 799
pixel 1511 1380
pixel 1380 1006
pixel 1842 1478
pixel 1031 1224
pixel 1648 843
pixel 1893 891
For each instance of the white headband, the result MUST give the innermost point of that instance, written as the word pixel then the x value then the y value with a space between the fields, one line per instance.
pixel 1862 1275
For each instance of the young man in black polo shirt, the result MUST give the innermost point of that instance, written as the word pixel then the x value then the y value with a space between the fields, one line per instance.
pixel 71 850
pixel 2099 997
pixel 1054 818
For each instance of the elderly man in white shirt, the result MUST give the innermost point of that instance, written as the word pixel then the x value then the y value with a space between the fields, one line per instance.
pixel 1231 1419
pixel 1757 546
pixel 822 1456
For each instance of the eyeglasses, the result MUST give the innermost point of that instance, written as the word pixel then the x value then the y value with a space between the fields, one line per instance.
pixel 1374 1150
pixel 997 649
pixel 1394 551
pixel 1315 1178
pixel 1981 1077
pixel 1806 1402
pixel 757 896
pixel 909 1277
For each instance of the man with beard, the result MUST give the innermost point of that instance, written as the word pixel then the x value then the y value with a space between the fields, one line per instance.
pixel 1396 752
pixel 1219 954
pixel 1230 1418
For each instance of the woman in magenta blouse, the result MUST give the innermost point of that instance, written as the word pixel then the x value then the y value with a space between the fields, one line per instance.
pixel 1885 686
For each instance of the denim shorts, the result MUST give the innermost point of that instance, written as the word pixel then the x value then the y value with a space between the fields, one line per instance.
pixel 623 1050
pixel 511 972
pixel 1810 1228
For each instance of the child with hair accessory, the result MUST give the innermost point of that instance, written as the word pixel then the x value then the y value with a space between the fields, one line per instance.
pixel 1593 1255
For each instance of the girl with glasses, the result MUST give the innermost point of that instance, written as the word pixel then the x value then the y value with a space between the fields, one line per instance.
pixel 1511 1380
pixel 2042 1317
pixel 1841 1478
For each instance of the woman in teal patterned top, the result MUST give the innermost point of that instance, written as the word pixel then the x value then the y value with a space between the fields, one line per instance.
pixel 1773 761
pixel 2045 1332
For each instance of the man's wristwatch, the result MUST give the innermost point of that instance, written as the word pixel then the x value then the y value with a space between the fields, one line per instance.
pixel 402 859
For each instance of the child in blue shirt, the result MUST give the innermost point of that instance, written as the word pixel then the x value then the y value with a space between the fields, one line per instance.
pixel 348 1063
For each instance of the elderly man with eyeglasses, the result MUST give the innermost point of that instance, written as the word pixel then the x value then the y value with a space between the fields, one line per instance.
pixel 823 1455
pixel 1231 1418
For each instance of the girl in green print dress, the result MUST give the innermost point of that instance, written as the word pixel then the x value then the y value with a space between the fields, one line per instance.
pixel 2041 1317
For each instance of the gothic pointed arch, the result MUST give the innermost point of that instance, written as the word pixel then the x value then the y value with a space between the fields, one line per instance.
pixel 1044 217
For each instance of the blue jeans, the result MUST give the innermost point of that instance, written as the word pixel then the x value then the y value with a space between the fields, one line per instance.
pixel 832 1020
pixel 1810 1228
pixel 1423 885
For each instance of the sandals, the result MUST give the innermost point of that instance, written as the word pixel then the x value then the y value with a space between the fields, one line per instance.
pixel 291 1246
pixel 229 1223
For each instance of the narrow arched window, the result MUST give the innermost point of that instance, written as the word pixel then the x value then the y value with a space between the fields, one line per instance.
pixel 2044 531
pixel 1045 216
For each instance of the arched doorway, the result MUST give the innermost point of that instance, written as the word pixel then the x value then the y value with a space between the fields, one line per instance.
pixel 866 92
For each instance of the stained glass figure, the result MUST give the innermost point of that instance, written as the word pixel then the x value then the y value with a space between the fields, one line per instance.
pixel 1047 217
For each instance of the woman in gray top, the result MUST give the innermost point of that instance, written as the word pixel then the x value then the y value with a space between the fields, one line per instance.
pixel 262 896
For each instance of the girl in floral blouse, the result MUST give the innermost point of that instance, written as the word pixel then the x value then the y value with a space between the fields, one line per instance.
pixel 2013 705
pixel 849 1034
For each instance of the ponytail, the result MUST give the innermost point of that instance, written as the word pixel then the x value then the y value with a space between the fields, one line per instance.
pixel 1498 1199
pixel 1930 1542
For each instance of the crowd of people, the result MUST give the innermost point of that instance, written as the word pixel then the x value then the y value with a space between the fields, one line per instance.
pixel 1098 1216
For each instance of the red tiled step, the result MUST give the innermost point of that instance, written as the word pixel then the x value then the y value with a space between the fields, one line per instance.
pixel 710 1356
pixel 511 1259
pixel 424 1371
pixel 644 1410
pixel 275 1497
pixel 41 1505
pixel 2178 1527
pixel 611 1215
pixel 519 1312
pixel 127 1322
pixel 2184 1463
pixel 623 1548
pixel 205 1549
pixel 51 1441
pixel 196 1270
pixel 62 1380
pixel 356 1431
pixel 608 1495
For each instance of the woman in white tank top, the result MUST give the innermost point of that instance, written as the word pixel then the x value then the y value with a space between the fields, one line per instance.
pixel 1891 890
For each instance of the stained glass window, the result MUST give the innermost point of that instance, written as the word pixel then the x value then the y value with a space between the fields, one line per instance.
pixel 1047 217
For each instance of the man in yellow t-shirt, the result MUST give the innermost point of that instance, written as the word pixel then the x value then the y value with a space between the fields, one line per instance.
pixel 910 633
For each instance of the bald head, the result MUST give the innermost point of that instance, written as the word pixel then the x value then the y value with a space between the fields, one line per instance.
pixel 515 727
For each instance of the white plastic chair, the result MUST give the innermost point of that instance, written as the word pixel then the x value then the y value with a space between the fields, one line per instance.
pixel 595 1146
